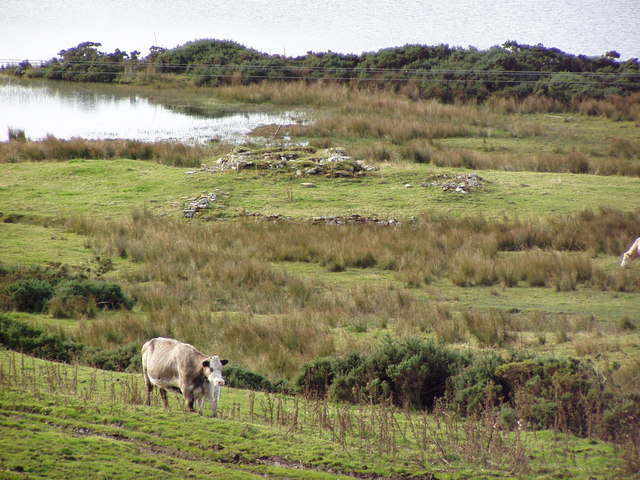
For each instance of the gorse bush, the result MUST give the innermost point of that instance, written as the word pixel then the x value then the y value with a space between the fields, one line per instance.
pixel 544 392
pixel 107 295
pixel 51 290
pixel 560 393
pixel 238 377
pixel 418 71
pixel 24 338
pixel 29 295
pixel 409 372
pixel 127 358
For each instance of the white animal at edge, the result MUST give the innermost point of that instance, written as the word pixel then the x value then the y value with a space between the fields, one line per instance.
pixel 181 368
pixel 633 252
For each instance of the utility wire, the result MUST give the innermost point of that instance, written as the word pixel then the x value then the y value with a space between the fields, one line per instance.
pixel 357 73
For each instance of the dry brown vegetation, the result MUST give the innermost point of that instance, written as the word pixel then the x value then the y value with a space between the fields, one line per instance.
pixel 221 281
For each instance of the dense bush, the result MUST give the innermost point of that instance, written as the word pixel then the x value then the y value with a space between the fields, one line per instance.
pixel 58 290
pixel 29 295
pixel 318 375
pixel 73 297
pixel 238 377
pixel 122 359
pixel 544 392
pixel 447 73
pixel 561 393
pixel 25 338
pixel 410 372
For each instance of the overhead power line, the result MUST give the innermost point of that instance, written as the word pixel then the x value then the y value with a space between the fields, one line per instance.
pixel 342 73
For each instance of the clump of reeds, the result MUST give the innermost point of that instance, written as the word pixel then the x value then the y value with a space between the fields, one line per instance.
pixel 54 149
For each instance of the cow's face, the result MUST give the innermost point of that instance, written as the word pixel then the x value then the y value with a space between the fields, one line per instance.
pixel 625 260
pixel 213 370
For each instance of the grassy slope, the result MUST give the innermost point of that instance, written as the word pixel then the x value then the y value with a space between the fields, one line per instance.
pixel 60 421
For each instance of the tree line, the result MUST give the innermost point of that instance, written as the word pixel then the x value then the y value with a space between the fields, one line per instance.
pixel 443 72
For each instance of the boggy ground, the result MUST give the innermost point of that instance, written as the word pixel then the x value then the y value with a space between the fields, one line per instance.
pixel 528 261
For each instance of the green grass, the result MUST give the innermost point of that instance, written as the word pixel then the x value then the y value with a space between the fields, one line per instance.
pixel 93 187
pixel 37 244
pixel 63 421
pixel 111 188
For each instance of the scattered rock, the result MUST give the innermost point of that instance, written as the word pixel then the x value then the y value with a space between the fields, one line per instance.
pixel 196 205
pixel 462 183
pixel 354 219
pixel 308 185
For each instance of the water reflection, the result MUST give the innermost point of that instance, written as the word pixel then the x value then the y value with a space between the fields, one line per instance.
pixel 42 109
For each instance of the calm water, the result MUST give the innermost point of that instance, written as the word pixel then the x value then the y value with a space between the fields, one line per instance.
pixel 64 112
pixel 39 29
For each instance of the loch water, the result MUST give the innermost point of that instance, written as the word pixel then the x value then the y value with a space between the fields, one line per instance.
pixel 68 110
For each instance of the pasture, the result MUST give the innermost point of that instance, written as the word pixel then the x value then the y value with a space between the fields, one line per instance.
pixel 528 261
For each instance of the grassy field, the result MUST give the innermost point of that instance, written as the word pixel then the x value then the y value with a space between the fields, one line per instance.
pixel 527 261
pixel 102 188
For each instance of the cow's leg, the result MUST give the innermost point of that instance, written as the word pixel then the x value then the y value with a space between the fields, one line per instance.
pixel 149 390
pixel 215 399
pixel 163 394
pixel 189 400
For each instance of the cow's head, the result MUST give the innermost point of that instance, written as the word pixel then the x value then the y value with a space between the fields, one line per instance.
pixel 625 260
pixel 213 370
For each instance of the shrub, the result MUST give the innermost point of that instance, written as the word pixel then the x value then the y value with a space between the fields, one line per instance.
pixel 554 392
pixel 474 385
pixel 410 372
pixel 238 377
pixel 316 376
pixel 122 359
pixel 73 297
pixel 30 295
pixel 25 338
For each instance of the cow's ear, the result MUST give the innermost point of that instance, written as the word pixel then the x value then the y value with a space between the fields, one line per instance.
pixel 205 363
pixel 224 362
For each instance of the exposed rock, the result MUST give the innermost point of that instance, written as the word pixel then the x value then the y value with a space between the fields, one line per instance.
pixel 462 183
pixel 196 205
pixel 354 219
pixel 332 162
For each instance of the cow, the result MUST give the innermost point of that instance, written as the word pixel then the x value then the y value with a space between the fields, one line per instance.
pixel 633 252
pixel 181 368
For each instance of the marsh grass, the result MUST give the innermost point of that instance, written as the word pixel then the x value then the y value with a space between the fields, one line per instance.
pixel 397 128
pixel 54 149
pixel 224 286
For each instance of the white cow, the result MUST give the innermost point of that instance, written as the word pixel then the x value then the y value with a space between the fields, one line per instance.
pixel 633 252
pixel 180 367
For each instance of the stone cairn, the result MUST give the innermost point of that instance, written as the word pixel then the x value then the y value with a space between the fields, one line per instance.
pixel 333 162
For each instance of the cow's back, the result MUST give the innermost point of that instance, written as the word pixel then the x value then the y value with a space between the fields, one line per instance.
pixel 165 360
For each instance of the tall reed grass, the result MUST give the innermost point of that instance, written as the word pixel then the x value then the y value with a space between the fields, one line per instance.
pixel 219 284
pixel 54 149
